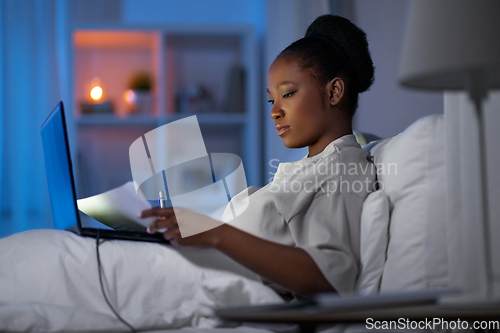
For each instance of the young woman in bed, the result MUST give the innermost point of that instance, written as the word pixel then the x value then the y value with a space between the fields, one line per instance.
pixel 301 231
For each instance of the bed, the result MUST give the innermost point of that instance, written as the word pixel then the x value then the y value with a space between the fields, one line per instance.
pixel 49 282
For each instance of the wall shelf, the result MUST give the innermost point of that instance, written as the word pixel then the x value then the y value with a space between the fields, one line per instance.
pixel 207 71
pixel 146 120
pixel 112 120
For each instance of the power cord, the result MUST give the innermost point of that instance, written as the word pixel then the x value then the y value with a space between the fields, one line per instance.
pixel 99 269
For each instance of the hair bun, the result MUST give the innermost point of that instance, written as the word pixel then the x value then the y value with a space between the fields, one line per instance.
pixel 352 40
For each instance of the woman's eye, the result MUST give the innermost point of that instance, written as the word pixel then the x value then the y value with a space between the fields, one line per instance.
pixel 290 94
pixel 271 101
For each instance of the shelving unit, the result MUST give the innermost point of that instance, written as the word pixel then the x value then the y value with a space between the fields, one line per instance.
pixel 181 60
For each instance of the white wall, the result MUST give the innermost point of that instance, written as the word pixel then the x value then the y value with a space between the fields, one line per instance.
pixel 386 109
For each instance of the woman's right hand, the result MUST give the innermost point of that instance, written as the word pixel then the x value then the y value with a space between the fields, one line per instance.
pixel 198 230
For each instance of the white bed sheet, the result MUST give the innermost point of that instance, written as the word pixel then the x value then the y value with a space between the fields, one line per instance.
pixel 49 283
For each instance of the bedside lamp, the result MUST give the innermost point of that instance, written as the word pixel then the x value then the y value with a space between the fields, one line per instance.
pixel 452 45
pixel 455 45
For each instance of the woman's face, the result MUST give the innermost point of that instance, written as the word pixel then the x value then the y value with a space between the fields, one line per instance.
pixel 301 108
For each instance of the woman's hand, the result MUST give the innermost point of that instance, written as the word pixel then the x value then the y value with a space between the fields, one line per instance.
pixel 198 230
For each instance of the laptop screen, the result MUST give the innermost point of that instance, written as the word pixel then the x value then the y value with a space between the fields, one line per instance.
pixel 59 170
pixel 60 179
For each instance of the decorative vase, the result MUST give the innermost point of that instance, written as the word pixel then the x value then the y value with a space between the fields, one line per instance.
pixel 143 102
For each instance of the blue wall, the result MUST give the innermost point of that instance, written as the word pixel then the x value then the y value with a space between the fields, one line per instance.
pixel 220 12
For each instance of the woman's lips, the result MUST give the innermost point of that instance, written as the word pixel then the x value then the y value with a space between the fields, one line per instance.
pixel 282 130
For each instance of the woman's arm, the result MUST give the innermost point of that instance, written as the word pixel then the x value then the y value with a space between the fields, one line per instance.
pixel 290 267
pixel 287 266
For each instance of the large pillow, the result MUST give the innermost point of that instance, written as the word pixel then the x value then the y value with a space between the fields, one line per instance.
pixel 373 242
pixel 411 171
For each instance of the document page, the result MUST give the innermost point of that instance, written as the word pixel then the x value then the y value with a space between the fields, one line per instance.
pixel 118 208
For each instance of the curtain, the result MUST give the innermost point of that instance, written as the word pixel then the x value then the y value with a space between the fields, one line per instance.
pixel 29 89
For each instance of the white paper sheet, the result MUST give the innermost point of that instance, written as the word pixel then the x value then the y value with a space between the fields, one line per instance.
pixel 117 208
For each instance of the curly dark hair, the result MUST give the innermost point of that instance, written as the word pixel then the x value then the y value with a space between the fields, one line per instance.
pixel 334 47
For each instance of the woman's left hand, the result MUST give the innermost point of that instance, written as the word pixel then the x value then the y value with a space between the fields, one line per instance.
pixel 197 229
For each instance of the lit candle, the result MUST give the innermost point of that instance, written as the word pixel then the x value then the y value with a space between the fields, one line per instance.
pixel 96 91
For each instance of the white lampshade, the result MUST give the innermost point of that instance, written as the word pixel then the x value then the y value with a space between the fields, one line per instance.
pixel 447 41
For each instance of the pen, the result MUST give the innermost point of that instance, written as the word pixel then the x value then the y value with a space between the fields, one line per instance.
pixel 161 199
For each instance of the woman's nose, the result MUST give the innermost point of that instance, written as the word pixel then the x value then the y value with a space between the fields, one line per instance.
pixel 277 112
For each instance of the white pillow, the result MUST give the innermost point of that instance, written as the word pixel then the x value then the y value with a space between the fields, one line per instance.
pixel 374 239
pixel 411 171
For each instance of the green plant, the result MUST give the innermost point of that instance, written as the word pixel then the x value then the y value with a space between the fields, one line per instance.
pixel 141 81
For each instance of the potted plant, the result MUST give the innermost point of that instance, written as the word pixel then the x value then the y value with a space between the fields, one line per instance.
pixel 140 96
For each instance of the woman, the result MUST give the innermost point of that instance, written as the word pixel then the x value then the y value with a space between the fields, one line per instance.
pixel 301 231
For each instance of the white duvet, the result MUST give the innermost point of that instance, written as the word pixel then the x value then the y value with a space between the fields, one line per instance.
pixel 49 283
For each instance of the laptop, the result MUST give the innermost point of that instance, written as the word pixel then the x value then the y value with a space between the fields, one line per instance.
pixel 62 189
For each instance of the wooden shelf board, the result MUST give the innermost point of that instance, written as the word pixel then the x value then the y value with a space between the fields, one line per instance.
pixel 215 119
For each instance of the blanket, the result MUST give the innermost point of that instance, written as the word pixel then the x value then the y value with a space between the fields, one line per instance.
pixel 49 282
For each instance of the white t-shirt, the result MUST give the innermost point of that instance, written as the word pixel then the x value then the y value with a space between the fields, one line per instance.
pixel 315 204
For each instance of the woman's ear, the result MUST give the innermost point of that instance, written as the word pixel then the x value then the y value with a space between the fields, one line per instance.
pixel 336 90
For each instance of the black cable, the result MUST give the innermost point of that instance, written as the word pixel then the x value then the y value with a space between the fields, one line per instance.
pixel 99 269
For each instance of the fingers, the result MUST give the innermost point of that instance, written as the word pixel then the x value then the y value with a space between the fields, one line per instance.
pixel 161 224
pixel 157 211
pixel 172 235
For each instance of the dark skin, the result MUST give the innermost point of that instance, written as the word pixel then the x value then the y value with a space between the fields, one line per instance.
pixel 313 112
pixel 314 117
